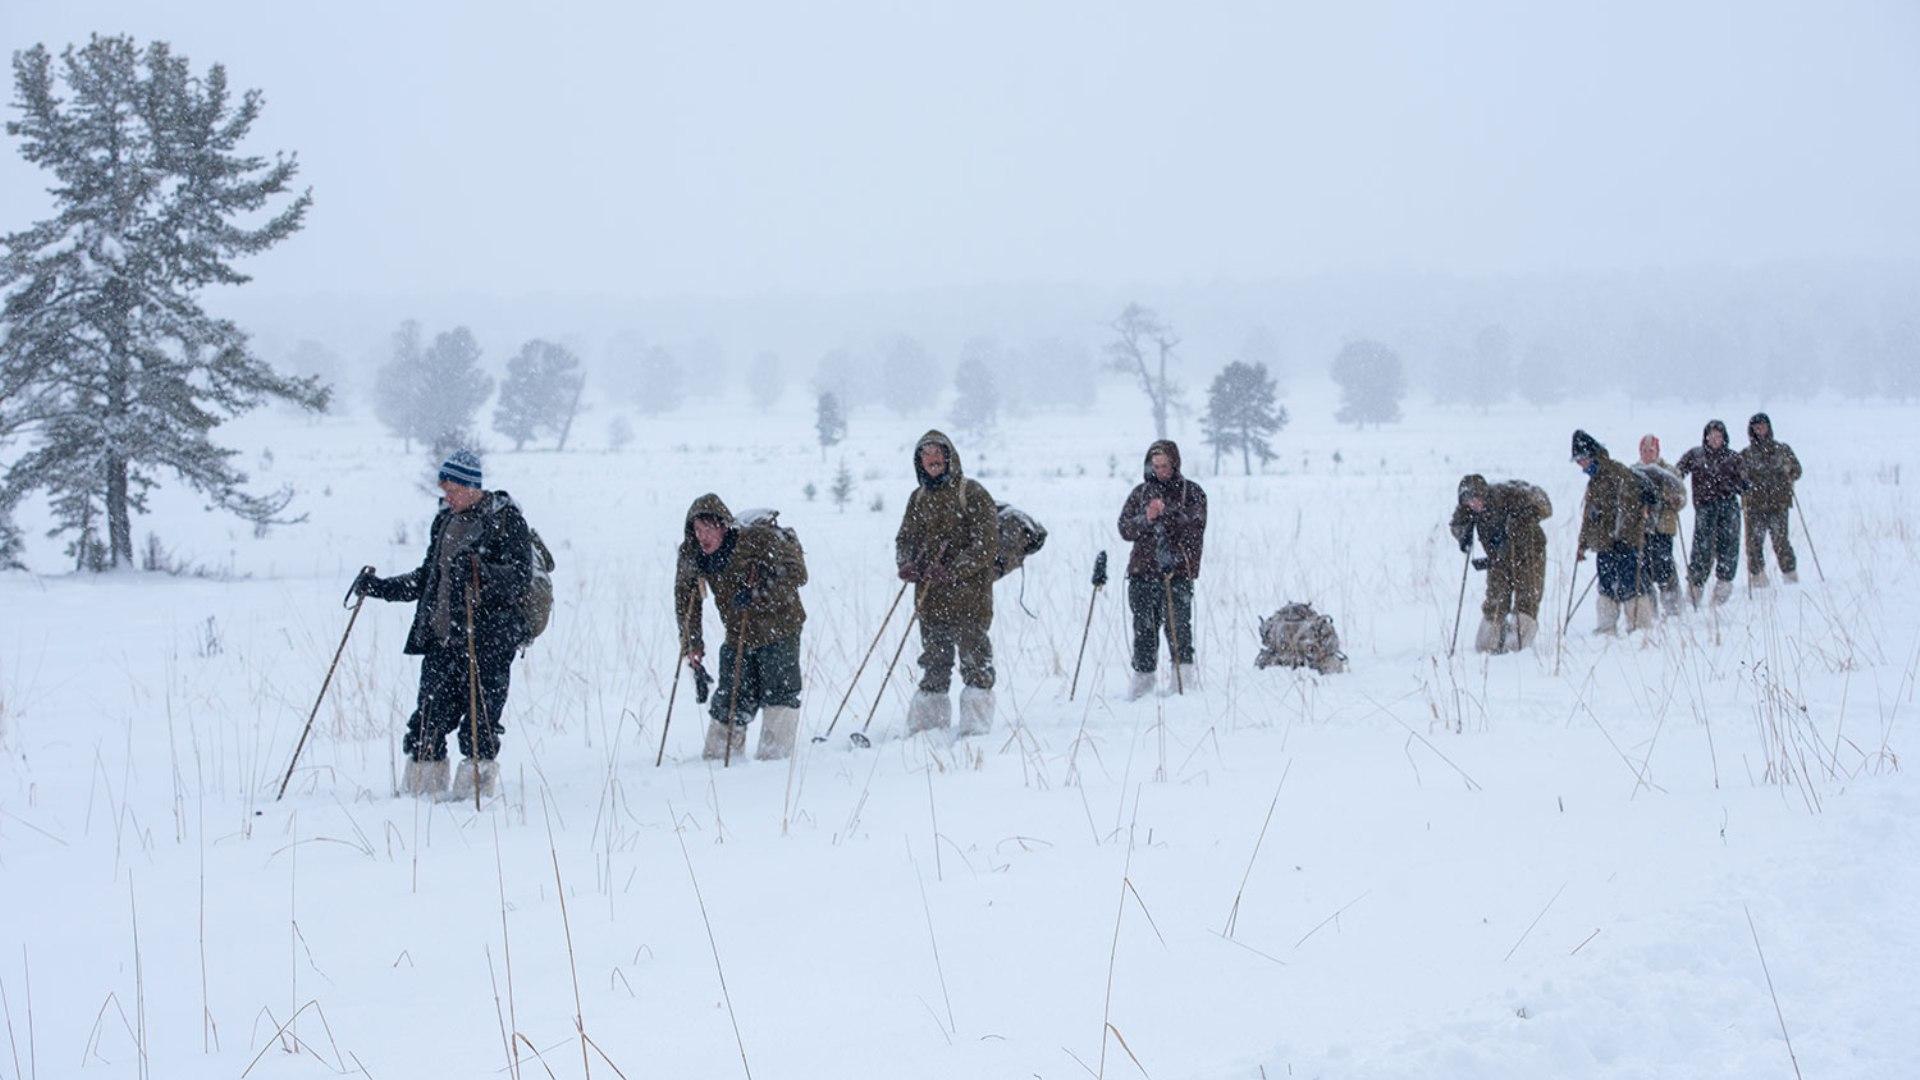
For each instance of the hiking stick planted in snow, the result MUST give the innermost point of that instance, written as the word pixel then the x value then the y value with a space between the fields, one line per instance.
pixel 1583 599
pixel 859 738
pixel 1808 533
pixel 473 682
pixel 1173 637
pixel 1099 582
pixel 1461 604
pixel 324 683
pixel 858 671
pixel 693 612
pixel 1560 646
pixel 739 660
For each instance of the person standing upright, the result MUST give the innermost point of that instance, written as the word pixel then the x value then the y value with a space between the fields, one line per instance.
pixel 946 545
pixel 1165 519
pixel 1772 470
pixel 1718 475
pixel 476 573
pixel 1663 524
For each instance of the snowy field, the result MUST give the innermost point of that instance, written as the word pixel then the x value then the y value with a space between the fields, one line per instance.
pixel 1531 866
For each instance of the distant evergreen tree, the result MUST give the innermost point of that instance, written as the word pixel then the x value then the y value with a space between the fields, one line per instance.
pixel 1243 414
pixel 766 381
pixel 659 382
pixel 1372 382
pixel 540 393
pixel 976 406
pixel 1541 376
pixel 399 387
pixel 110 370
pixel 829 422
pixel 432 395
pixel 909 376
pixel 842 489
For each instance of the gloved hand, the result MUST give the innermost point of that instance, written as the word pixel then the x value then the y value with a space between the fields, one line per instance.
pixel 1495 540
pixel 938 574
pixel 911 572
pixel 742 598
pixel 1649 496
pixel 1480 564
pixel 363 582
pixel 1466 542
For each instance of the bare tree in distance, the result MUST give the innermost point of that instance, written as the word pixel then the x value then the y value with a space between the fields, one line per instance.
pixel 1142 346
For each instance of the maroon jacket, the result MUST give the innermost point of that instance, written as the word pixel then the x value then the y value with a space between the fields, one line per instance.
pixel 1179 534
pixel 1718 475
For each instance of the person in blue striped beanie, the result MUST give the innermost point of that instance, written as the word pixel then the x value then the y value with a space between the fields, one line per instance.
pixel 477 535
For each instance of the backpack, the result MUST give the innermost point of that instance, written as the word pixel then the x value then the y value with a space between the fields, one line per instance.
pixel 537 605
pixel 1020 536
pixel 760 517
pixel 1298 636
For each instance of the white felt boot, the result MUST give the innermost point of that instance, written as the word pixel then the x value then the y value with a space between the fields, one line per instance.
pixel 976 711
pixel 778 725
pixel 424 779
pixel 486 774
pixel 928 711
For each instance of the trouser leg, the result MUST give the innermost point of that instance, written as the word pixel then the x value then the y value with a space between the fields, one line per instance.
pixel 974 643
pixel 769 675
pixel 438 707
pixel 937 649
pixel 496 673
pixel 1148 602
pixel 1780 529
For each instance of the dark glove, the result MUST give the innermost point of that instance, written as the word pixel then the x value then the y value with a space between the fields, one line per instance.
pixel 1466 542
pixel 363 583
pixel 911 572
pixel 1480 564
pixel 1495 540
pixel 742 598
pixel 1650 496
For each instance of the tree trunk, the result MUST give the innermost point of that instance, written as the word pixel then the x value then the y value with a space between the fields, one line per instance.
pixel 1246 452
pixel 579 385
pixel 119 516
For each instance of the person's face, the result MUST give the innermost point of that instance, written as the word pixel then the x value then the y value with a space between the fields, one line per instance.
pixel 708 533
pixel 460 498
pixel 1715 439
pixel 1162 466
pixel 933 461
pixel 1476 504
pixel 1648 455
pixel 1762 430
pixel 1583 462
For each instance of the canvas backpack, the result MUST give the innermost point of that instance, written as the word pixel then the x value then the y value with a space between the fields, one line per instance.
pixel 1020 537
pixel 537 605
pixel 760 517
pixel 1298 636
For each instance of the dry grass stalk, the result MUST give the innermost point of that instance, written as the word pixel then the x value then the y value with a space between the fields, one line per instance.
pixel 1536 922
pixel 1778 1014
pixel 713 944
pixel 939 969
pixel 1233 913
pixel 573 967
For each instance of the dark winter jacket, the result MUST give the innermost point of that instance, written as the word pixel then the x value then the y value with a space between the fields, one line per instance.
pixel 1718 474
pixel 504 546
pixel 759 560
pixel 1614 514
pixel 1173 543
pixel 947 541
pixel 1509 523
pixel 1772 470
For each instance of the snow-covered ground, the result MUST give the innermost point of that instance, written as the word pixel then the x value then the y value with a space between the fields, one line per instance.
pixel 1542 865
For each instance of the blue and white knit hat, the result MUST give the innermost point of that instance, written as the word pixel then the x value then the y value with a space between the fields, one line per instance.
pixel 462 467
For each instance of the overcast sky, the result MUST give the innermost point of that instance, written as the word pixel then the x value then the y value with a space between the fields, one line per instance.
pixel 734 149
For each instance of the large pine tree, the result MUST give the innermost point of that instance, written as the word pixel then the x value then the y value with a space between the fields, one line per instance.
pixel 110 370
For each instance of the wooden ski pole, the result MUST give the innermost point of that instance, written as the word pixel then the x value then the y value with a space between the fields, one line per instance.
pixel 1460 605
pixel 1572 577
pixel 1808 533
pixel 693 612
pixel 1099 580
pixel 859 738
pixel 324 683
pixel 473 683
pixel 858 671
pixel 1173 636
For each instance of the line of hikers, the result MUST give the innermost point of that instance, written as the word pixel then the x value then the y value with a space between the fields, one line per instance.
pixel 484 561
pixel 481 592
pixel 1630 518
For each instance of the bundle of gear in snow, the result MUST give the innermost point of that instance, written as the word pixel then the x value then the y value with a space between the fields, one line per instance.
pixel 1298 636
pixel 1020 536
